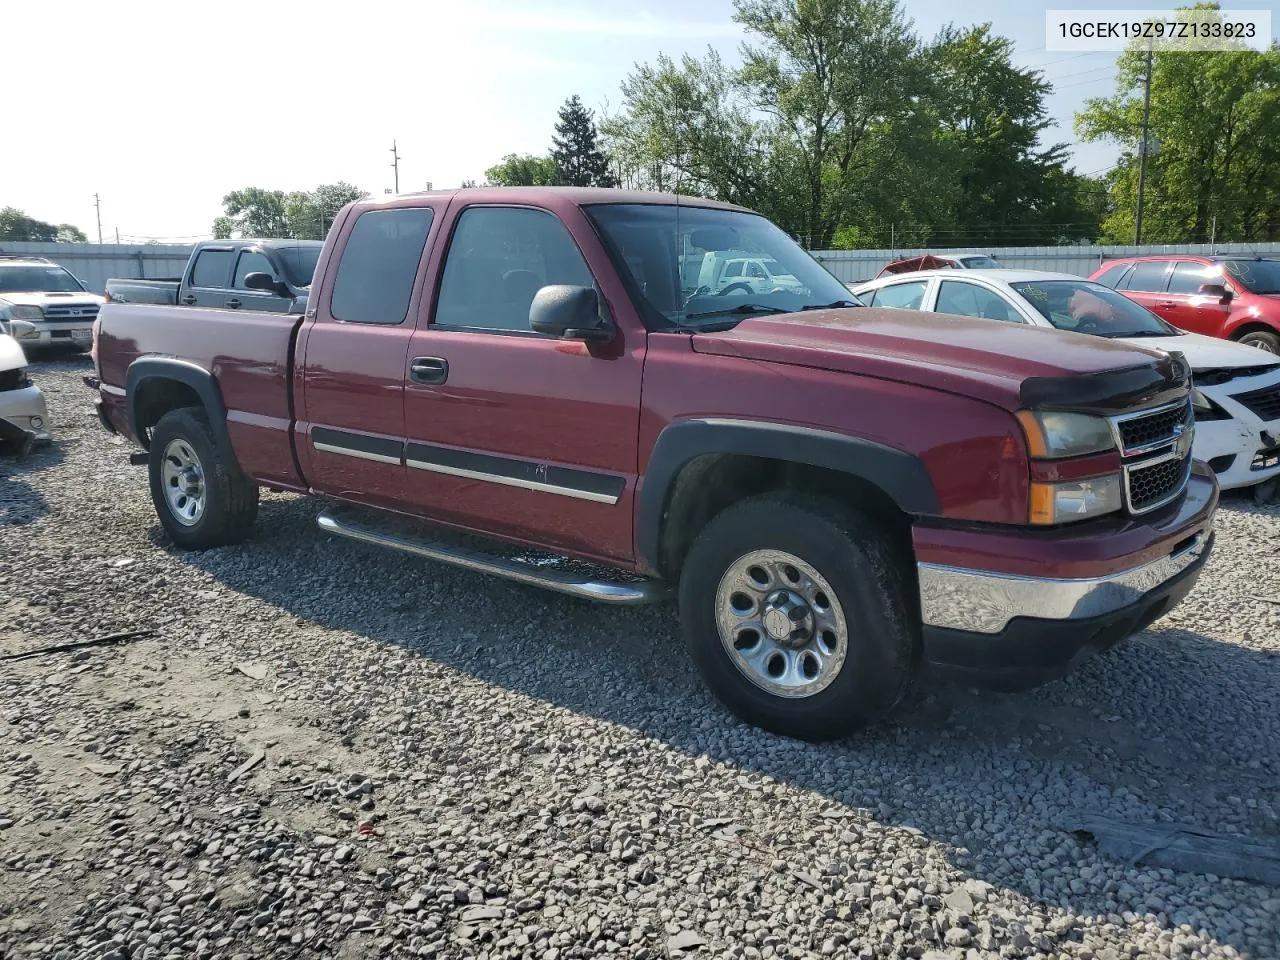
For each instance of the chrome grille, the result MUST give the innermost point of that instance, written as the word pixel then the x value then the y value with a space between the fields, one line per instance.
pixel 1264 403
pixel 86 311
pixel 1153 483
pixel 1149 430
pixel 1155 447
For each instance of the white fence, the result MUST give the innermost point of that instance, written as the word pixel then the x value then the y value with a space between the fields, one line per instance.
pixel 852 266
pixel 93 263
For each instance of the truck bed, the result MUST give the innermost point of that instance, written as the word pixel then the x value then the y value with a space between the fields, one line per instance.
pixel 249 353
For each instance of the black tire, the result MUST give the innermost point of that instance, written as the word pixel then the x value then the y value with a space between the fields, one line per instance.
pixel 1263 340
pixel 859 563
pixel 230 499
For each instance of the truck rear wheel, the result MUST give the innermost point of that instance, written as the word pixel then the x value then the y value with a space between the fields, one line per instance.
pixel 795 615
pixel 202 500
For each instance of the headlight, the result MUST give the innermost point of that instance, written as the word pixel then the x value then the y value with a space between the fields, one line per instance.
pixel 22 330
pixel 1205 409
pixel 1053 434
pixel 1075 499
pixel 26 311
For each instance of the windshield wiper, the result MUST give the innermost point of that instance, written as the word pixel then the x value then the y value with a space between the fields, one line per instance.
pixel 1146 333
pixel 742 308
pixel 834 305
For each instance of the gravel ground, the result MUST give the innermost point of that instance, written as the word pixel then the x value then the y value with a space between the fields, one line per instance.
pixel 332 751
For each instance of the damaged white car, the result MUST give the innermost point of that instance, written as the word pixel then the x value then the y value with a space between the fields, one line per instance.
pixel 24 418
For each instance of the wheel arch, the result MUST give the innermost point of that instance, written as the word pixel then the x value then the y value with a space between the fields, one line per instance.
pixel 699 467
pixel 156 385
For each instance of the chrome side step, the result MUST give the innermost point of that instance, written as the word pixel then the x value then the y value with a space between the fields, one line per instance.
pixel 561 581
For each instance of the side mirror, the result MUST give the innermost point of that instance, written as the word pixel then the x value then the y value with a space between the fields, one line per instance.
pixel 265 281
pixel 1218 290
pixel 570 313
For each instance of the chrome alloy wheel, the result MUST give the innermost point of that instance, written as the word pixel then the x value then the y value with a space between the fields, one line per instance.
pixel 781 624
pixel 182 477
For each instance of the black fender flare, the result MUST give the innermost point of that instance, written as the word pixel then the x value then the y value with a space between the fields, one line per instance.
pixel 900 475
pixel 188 374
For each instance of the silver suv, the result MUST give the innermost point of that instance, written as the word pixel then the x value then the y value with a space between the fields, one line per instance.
pixel 56 308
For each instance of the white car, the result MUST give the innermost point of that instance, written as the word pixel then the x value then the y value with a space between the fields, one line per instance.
pixel 50 299
pixel 1237 395
pixel 23 416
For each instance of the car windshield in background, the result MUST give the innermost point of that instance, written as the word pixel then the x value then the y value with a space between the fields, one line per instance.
pixel 979 263
pixel 1256 276
pixel 699 267
pixel 299 263
pixel 33 279
pixel 1087 307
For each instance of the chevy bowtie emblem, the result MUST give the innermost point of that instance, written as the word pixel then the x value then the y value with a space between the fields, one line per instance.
pixel 1182 439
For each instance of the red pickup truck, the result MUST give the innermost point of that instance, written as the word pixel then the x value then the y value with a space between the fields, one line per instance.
pixel 837 495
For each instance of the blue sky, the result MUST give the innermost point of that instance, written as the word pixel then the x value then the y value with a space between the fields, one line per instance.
pixel 163 107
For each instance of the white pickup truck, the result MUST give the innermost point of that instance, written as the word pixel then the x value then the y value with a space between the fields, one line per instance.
pixel 54 306
pixel 729 272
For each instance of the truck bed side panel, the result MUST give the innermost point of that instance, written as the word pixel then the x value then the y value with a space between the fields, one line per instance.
pixel 249 355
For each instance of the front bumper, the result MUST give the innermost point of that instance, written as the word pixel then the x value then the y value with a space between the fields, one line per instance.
pixel 19 407
pixel 50 333
pixel 1054 597
pixel 1234 448
pixel 1032 650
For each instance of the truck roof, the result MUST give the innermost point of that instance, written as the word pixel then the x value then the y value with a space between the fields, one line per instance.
pixel 579 196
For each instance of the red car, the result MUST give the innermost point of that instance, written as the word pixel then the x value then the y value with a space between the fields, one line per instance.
pixel 1235 298
pixel 836 495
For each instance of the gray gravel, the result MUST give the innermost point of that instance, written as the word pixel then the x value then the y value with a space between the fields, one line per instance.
pixel 431 763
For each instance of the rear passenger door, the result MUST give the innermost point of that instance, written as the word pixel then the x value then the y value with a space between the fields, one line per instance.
pixel 964 299
pixel 209 277
pixel 1146 284
pixel 350 429
pixel 240 297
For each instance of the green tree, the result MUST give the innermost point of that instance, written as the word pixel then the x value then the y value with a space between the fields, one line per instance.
pixel 16 225
pixel 252 212
pixel 522 170
pixel 576 150
pixel 310 213
pixel 1214 171
pixel 70 233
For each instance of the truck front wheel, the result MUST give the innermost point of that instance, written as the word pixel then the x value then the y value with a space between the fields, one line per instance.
pixel 201 499
pixel 795 615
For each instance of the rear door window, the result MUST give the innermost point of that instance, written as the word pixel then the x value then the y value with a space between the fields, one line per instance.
pixel 212 268
pixel 903 296
pixel 1147 277
pixel 375 276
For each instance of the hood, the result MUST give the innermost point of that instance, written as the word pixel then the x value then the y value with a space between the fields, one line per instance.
pixel 1209 353
pixel 11 355
pixel 971 357
pixel 45 299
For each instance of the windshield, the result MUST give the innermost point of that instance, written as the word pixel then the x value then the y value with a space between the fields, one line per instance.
pixel 1087 307
pixel 696 267
pixel 30 278
pixel 299 263
pixel 979 263
pixel 1256 276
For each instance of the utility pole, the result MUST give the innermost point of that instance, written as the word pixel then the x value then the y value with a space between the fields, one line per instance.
pixel 97 206
pixel 1145 148
pixel 395 164
pixel 117 234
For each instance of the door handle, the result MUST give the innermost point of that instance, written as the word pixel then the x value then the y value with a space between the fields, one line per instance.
pixel 1166 303
pixel 429 370
pixel 189 299
pixel 233 303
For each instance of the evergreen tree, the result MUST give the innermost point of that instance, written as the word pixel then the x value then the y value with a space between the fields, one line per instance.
pixel 575 150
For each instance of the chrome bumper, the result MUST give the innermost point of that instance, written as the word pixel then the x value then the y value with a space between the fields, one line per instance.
pixel 979 601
